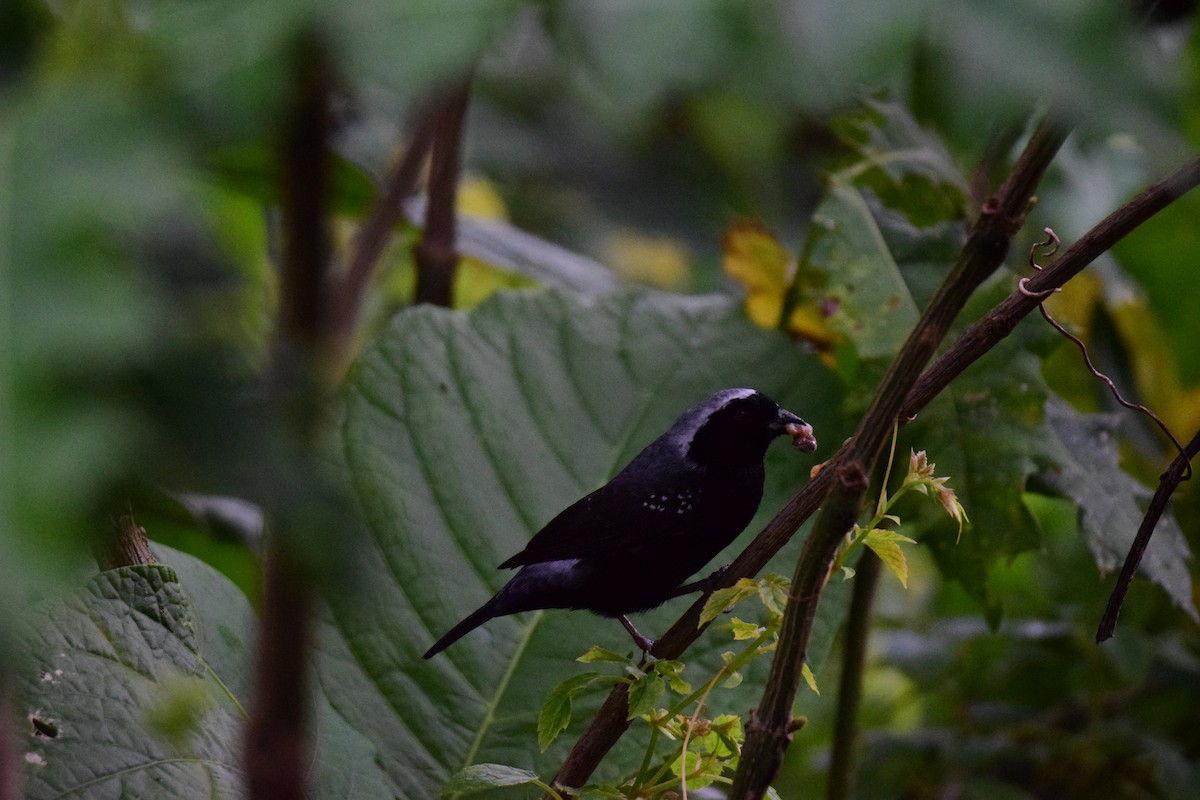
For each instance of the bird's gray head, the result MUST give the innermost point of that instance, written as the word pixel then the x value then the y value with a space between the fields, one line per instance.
pixel 734 426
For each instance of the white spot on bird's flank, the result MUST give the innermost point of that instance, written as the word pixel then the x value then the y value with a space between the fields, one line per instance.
pixel 35 759
pixel 47 677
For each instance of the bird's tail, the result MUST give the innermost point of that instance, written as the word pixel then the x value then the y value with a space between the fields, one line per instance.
pixel 474 620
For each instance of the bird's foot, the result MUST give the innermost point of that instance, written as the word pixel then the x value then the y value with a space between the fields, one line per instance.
pixel 639 639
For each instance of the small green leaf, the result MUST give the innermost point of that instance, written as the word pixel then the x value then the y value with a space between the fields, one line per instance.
pixel 555 715
pixel 645 694
pixel 726 736
pixel 695 770
pixel 672 672
pixel 847 573
pixel 722 599
pixel 809 678
pixel 743 630
pixel 733 681
pixel 478 777
pixel 885 535
pixel 598 653
pixel 773 592
pixel 892 557
pixel 594 791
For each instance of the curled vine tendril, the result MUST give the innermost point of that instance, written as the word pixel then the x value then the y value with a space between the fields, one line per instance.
pixel 1047 249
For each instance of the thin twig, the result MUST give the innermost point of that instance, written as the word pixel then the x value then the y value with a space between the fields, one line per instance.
pixel 1001 320
pixel 399 185
pixel 843 763
pixel 1167 484
pixel 1049 248
pixel 436 252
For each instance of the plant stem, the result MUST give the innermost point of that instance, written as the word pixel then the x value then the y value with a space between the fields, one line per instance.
pixel 398 186
pixel 276 739
pixel 10 769
pixel 1001 320
pixel 1167 484
pixel 124 544
pixel 843 764
pixel 436 252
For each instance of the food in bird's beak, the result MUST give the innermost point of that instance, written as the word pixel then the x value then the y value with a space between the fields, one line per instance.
pixel 802 436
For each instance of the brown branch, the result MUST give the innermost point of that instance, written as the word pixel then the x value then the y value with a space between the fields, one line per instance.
pixel 1001 320
pixel 1168 482
pixel 276 743
pixel 608 726
pixel 767 732
pixel 399 185
pixel 436 252
pixel 10 766
pixel 124 544
pixel 843 763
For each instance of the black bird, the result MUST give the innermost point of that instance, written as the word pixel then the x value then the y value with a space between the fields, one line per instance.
pixel 629 545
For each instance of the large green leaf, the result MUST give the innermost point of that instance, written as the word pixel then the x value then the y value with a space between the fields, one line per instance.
pixel 129 694
pixel 465 432
pixel 986 433
pixel 885 233
pixel 1111 502
pixel 142 677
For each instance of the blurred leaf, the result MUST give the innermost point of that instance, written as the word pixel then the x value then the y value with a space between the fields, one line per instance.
pixel 862 288
pixel 755 259
pixel 903 164
pixel 478 777
pixel 1087 470
pixel 1162 255
pixel 475 281
pixel 501 245
pixel 656 261
pixel 104 666
pixel 464 433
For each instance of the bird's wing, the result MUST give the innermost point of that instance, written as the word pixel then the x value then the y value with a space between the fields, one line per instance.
pixel 612 520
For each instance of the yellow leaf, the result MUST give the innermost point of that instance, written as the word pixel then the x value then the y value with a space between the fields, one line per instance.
pixel 755 259
pixel 809 678
pixel 478 198
pixel 475 281
pixel 810 323
pixel 658 261
pixel 892 556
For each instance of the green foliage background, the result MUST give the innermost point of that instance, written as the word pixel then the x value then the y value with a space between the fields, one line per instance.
pixel 614 143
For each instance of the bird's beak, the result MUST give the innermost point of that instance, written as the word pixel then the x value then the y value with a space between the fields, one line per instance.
pixel 800 431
